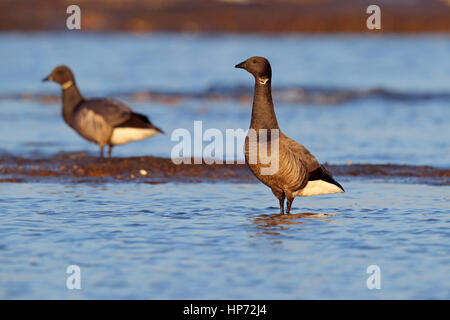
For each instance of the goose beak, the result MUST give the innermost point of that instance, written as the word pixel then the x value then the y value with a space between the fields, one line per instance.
pixel 46 79
pixel 240 65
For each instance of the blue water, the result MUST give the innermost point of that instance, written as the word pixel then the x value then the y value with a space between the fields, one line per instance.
pixel 372 130
pixel 212 241
pixel 224 240
pixel 122 62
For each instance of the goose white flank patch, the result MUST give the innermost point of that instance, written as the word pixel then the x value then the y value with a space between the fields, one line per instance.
pixel 125 135
pixel 299 173
pixel 103 121
pixel 318 187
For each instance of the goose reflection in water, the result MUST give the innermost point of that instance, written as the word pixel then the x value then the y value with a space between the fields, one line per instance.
pixel 273 223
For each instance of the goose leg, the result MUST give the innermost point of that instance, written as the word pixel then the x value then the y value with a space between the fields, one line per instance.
pixel 289 204
pixel 280 196
pixel 281 206
pixel 102 147
pixel 110 150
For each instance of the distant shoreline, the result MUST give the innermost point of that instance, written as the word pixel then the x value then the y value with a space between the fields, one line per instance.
pixel 249 16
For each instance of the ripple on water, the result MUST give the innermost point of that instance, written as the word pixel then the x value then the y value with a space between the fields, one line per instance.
pixel 236 246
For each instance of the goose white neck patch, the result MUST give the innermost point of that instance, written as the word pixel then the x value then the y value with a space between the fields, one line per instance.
pixel 263 80
pixel 67 84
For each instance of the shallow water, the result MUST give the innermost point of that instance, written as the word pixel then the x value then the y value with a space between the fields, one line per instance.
pixel 225 240
pixel 169 241
pixel 410 130
pixel 363 132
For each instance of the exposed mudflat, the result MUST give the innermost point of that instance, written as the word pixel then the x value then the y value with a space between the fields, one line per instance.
pixel 79 167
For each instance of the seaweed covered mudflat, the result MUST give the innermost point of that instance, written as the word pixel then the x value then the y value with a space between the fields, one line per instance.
pixel 80 168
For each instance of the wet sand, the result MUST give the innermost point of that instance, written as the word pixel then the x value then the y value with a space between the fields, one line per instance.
pixel 82 168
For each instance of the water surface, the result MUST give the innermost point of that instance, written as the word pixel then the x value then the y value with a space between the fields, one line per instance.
pixel 224 240
pixel 408 128
pixel 211 241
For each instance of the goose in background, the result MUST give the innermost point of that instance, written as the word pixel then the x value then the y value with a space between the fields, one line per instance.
pixel 103 121
pixel 299 173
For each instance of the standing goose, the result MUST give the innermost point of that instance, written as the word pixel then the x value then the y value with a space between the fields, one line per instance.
pixel 298 173
pixel 101 121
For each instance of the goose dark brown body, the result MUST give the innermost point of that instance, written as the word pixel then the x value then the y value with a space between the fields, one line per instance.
pixel 299 173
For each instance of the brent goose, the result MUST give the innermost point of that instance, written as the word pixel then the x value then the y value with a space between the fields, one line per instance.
pixel 101 121
pixel 299 173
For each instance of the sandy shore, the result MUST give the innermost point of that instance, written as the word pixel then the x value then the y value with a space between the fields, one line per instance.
pixel 80 168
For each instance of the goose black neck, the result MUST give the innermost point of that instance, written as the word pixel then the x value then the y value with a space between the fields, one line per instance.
pixel 263 114
pixel 71 97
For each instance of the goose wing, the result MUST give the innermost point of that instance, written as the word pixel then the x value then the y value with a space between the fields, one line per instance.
pixel 137 120
pixel 315 171
pixel 112 111
pixel 309 161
